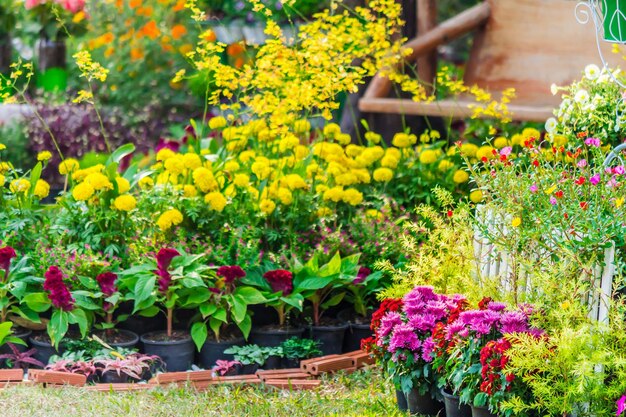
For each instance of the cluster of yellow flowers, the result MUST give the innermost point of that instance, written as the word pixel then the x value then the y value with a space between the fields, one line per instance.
pixel 22 187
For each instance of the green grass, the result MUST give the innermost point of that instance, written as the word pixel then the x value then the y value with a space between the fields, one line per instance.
pixel 363 393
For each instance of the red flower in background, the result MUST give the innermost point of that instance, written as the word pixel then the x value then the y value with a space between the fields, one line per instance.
pixel 6 254
pixel 106 281
pixel 164 259
pixel 280 280
pixel 58 292
pixel 361 275
pixel 230 273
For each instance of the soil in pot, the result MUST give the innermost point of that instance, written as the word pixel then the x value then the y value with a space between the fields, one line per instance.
pixel 330 334
pixel 423 405
pixel 273 335
pixel 453 406
pixel 262 315
pixel 213 350
pixel 114 378
pixel 176 351
pixel 41 342
pixel 273 362
pixel 247 369
pixel 119 338
pixel 401 401
pixel 481 412
pixel 288 363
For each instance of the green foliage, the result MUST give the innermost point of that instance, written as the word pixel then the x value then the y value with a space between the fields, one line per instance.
pixel 253 354
pixel 297 348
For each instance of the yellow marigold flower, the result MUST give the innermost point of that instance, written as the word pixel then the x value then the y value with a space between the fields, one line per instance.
pixel 370 155
pixel 424 137
pixel 393 152
pixel 204 179
pixel 146 183
pixel 164 154
pixel 372 137
pixel 125 202
pixel 2 146
pixel 460 176
pixel 485 152
pixel 231 166
pixel 352 197
pixel 324 212
pixel 253 192
pixel 190 191
pixel 560 140
pixel 469 150
pixel 476 196
pixel 44 156
pixel 302 126
pixel 445 165
pixel 347 178
pixel 169 218
pixel 245 156
pixel 20 185
pixel 403 140
pixel 285 196
pixel 428 156
pixel 531 132
pixel 516 222
pixel 82 191
pixel 321 188
pixel 175 165
pixel 362 175
pixel 294 182
pixel 434 134
pixel 374 214
pixel 288 142
pixel 301 152
pixel 354 150
pixel 42 189
pixel 500 142
pixel 331 130
pixel 383 175
pixel 192 161
pixel 267 206
pixel 389 161
pixel 122 185
pixel 2 180
pixel 261 170
pixel 99 181
pixel 217 122
pixel 230 133
pixel 68 166
pixel 517 140
pixel 334 194
pixel 343 138
pixel 241 180
pixel 216 201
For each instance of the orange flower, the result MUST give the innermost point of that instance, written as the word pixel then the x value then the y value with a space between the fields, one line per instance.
pixel 145 11
pixel 185 49
pixel 109 51
pixel 135 3
pixel 180 5
pixel 150 30
pixel 136 54
pixel 234 49
pixel 239 62
pixel 167 47
pixel 178 31
pixel 209 36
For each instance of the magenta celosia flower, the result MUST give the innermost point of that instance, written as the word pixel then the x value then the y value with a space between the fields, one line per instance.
pixel 164 259
pixel 106 281
pixel 621 406
pixel 230 273
pixel 58 292
pixel 361 275
pixel 403 337
pixel 280 281
pixel 592 142
pixel 387 323
pixel 6 254
pixel 595 179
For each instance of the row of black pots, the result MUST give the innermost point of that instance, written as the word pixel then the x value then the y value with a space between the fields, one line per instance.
pixel 425 405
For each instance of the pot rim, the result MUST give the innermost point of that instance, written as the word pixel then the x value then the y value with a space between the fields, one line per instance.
pixel 146 340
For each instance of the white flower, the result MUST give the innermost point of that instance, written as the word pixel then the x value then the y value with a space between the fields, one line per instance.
pixel 554 89
pixel 551 124
pixel 592 71
pixel 582 96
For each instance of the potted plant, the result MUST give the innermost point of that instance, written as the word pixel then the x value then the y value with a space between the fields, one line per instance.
pixel 324 287
pixel 130 368
pixel 20 359
pixel 361 295
pixel 277 287
pixel 174 281
pixel 297 349
pixel 252 357
pixel 73 366
pixel 226 306
pixel 66 310
pixel 225 367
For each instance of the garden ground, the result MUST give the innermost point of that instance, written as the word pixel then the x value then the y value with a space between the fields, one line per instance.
pixel 363 393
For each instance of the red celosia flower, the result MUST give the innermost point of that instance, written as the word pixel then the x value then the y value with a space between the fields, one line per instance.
pixel 388 304
pixel 484 303
pixel 106 280
pixel 580 181
pixel 230 273
pixel 58 293
pixel 280 280
pixel 6 254
pixel 559 194
pixel 164 259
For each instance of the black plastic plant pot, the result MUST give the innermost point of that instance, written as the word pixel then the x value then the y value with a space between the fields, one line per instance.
pixel 482 412
pixel 290 363
pixel 454 408
pixel 114 378
pixel 213 351
pixel 120 338
pixel 176 352
pixel 423 405
pixel 141 325
pixel 20 333
pixel 273 336
pixel 354 335
pixel 273 362
pixel 44 349
pixel 330 338
pixel 401 401
pixel 247 369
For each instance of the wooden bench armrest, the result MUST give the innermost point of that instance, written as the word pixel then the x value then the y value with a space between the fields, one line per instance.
pixel 450 29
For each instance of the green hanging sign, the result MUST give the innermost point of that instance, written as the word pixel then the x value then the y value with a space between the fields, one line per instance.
pixel 614 13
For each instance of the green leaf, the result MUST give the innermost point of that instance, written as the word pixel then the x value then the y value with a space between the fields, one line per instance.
pixel 199 333
pixel 239 309
pixel 57 327
pixel 245 326
pixel 199 296
pixel 35 175
pixel 249 295
pixel 5 331
pixel 294 300
pixel 143 288
pixel 336 299
pixel 220 314
pixel 207 309
pixel 79 317
pixel 150 311
pixel 333 267
pixel 120 153
pixel 37 301
pixel 215 325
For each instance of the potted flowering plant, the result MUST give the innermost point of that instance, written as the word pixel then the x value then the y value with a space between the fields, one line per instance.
pixel 405 338
pixel 130 368
pixel 227 305
pixel 277 287
pixel 171 281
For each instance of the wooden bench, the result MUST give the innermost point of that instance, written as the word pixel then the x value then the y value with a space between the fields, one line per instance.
pixel 523 44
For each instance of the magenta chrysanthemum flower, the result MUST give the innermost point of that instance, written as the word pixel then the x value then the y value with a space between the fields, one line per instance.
pixel 280 281
pixel 164 259
pixel 388 322
pixel 6 254
pixel 58 292
pixel 361 275
pixel 496 306
pixel 428 347
pixel 230 273
pixel 592 142
pixel 513 322
pixel 106 281
pixel 403 337
pixel 621 406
